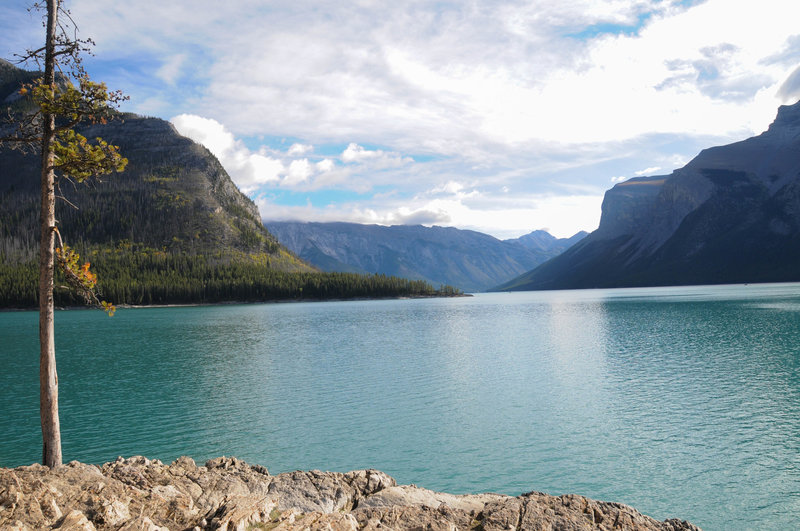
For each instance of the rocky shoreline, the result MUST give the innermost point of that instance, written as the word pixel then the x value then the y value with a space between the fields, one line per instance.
pixel 146 495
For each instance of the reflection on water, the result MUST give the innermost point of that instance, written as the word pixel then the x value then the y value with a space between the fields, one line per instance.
pixel 681 401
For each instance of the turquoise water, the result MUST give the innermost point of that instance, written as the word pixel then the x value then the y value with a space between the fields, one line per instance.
pixel 684 402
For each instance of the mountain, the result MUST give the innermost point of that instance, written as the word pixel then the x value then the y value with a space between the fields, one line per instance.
pixel 174 194
pixel 544 242
pixel 469 260
pixel 173 227
pixel 731 215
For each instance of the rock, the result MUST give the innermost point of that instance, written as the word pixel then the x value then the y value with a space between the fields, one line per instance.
pixel 315 521
pixel 311 491
pixel 408 495
pixel 142 523
pixel 368 482
pixel 413 517
pixel 240 513
pixel 139 494
pixel 75 521
pixel 536 510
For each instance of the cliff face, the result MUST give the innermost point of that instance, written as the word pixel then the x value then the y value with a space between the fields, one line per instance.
pixel 627 206
pixel 731 215
pixel 226 493
pixel 466 259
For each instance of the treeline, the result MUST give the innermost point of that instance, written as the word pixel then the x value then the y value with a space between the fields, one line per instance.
pixel 147 277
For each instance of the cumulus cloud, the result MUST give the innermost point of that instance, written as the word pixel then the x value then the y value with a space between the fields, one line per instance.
pixel 325 165
pixel 247 169
pixel 357 168
pixel 298 149
pixel 354 153
pixel 299 171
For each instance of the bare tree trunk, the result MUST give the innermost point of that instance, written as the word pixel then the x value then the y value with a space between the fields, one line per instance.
pixel 48 379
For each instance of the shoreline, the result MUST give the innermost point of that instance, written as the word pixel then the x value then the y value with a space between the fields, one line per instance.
pixel 231 303
pixel 226 493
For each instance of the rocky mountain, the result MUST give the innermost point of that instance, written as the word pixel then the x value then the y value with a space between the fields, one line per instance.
pixel 469 260
pixel 731 215
pixel 545 243
pixel 173 196
pixel 227 493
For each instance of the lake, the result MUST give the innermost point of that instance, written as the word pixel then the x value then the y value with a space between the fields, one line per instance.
pixel 683 402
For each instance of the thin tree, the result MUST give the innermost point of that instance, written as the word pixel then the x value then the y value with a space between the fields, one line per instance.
pixel 58 107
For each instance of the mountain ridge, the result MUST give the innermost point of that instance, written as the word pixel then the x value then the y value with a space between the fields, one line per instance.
pixel 731 215
pixel 469 260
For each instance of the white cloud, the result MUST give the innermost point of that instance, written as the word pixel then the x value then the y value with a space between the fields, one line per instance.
pixel 354 153
pixel 373 159
pixel 325 165
pixel 299 171
pixel 251 170
pixel 298 149
pixel 647 171
pixel 259 169
pixel 450 187
pixel 247 169
pixel 619 179
pixel 210 133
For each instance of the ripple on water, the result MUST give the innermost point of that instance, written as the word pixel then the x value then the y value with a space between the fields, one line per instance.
pixel 680 401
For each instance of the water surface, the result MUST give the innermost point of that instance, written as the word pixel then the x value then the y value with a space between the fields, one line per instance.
pixel 684 402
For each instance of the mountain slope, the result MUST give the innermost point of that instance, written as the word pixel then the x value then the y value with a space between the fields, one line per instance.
pixel 174 196
pixel 172 228
pixel 731 215
pixel 470 260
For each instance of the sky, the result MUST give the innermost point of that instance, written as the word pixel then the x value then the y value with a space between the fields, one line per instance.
pixel 497 116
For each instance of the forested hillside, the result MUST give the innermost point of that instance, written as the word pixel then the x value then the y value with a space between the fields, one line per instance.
pixel 172 228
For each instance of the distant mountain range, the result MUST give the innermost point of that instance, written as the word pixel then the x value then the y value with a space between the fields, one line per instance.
pixel 469 260
pixel 731 215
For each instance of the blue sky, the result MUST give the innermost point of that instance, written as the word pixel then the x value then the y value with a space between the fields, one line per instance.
pixel 497 116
